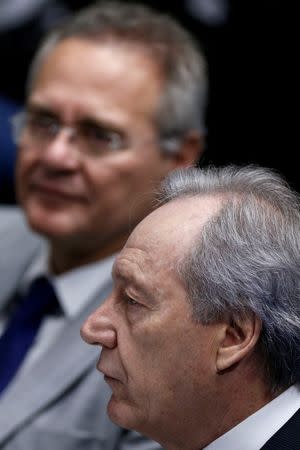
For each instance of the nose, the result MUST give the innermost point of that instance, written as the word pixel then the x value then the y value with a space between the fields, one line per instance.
pixel 98 328
pixel 61 152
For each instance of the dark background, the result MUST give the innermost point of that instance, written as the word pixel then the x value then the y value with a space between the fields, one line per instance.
pixel 250 53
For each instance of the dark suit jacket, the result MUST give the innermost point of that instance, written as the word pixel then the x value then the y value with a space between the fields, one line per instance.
pixel 287 437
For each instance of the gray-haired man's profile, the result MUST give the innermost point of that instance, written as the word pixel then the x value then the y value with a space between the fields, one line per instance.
pixel 201 334
pixel 115 102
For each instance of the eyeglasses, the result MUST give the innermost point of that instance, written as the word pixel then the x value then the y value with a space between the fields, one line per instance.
pixel 40 128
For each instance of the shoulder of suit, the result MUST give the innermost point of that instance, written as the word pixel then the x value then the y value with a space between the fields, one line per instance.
pixel 19 246
pixel 11 216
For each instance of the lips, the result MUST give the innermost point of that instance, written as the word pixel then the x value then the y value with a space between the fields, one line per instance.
pixel 109 376
pixel 52 191
pixel 112 368
pixel 110 381
pixel 105 373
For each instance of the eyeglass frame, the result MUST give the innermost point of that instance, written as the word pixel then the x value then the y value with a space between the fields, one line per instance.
pixel 170 144
pixel 21 122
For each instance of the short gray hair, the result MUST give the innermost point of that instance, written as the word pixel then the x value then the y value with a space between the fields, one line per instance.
pixel 183 100
pixel 247 258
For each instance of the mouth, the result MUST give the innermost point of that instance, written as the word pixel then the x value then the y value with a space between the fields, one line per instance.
pixel 108 377
pixel 110 380
pixel 51 193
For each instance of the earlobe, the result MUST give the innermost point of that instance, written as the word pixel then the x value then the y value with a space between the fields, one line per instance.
pixel 237 340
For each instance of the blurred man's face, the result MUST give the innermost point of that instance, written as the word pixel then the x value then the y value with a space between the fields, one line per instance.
pixel 159 362
pixel 88 190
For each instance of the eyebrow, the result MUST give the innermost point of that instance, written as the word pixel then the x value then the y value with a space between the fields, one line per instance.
pixel 119 274
pixel 39 109
pixel 131 280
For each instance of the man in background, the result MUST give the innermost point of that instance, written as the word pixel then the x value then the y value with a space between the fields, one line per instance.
pixel 115 102
pixel 201 334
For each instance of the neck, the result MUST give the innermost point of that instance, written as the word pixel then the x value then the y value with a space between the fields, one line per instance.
pixel 65 256
pixel 223 409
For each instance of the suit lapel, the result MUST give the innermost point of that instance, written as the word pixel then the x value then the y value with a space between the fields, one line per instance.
pixel 67 360
pixel 287 437
pixel 18 247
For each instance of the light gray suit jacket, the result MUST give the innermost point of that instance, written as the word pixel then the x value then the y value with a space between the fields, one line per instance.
pixel 59 404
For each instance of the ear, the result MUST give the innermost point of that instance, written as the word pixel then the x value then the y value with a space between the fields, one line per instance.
pixel 237 340
pixel 190 151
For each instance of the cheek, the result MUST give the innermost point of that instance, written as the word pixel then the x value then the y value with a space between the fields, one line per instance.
pixel 122 184
pixel 157 384
pixel 171 375
pixel 110 172
pixel 134 167
pixel 166 345
pixel 149 357
pixel 133 172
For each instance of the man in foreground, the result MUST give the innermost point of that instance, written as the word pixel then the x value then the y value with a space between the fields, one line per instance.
pixel 115 102
pixel 201 334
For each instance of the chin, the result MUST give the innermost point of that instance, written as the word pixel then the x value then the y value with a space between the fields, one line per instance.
pixel 124 415
pixel 47 223
pixel 131 417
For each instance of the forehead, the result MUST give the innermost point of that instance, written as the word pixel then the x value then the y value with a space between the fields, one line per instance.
pixel 166 234
pixel 95 74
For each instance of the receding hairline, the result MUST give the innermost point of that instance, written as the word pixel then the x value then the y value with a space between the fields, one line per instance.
pixel 162 50
pixel 132 48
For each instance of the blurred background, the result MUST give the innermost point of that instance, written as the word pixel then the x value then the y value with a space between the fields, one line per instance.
pixel 249 57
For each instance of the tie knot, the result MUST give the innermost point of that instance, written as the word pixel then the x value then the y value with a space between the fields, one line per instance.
pixel 39 300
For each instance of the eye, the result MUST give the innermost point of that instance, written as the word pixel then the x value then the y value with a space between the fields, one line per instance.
pixel 130 301
pixel 42 123
pixel 100 139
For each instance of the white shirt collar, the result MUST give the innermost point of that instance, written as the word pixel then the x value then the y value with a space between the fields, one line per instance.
pixel 258 428
pixel 75 288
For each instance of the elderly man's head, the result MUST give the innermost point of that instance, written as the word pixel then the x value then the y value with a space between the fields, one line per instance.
pixel 202 328
pixel 115 101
